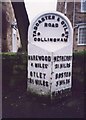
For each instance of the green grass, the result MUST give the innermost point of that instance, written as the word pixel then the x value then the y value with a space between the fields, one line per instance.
pixel 80 53
pixel 13 53
pixel 8 54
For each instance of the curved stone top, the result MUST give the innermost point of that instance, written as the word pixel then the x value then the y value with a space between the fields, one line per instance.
pixel 51 31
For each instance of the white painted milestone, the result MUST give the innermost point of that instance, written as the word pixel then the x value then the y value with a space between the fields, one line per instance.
pixel 50 53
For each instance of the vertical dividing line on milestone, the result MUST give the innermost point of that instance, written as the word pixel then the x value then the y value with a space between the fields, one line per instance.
pixel 51 76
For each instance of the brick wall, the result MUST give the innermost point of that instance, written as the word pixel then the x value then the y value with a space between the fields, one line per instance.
pixel 78 18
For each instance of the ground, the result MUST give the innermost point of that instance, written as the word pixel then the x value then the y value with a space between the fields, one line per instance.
pixel 18 103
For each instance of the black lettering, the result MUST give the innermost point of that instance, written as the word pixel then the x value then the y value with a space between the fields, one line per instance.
pixel 39 21
pixel 53 25
pixel 42 40
pixel 35 57
pixel 40 82
pixel 67 81
pixel 32 64
pixel 60 75
pixel 40 75
pixel 46 65
pixel 65 29
pixel 46 17
pixel 45 58
pixel 66 36
pixel 56 83
pixel 56 66
pixel 36 65
pixel 34 32
pixel 41 65
pixel 63 34
pixel 67 74
pixel 66 32
pixel 45 39
pixel 44 75
pixel 37 24
pixel 65 40
pixel 42 58
pixel 61 39
pixel 42 19
pixel 68 65
pixel 38 39
pixel 49 24
pixel 35 28
pixel 54 39
pixel 31 80
pixel 62 22
pixel 62 82
pixel 49 17
pixel 45 24
pixel 56 76
pixel 29 57
pixel 47 84
pixel 49 58
pixel 53 17
pixel 58 39
pixel 31 74
pixel 64 25
pixel 39 58
pixel 34 35
pixel 54 59
pixel 43 83
pixel 51 39
pixel 36 82
pixel 58 19
pixel 35 39
pixel 56 25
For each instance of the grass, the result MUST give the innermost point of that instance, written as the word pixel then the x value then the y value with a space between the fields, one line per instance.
pixel 14 54
pixel 80 53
